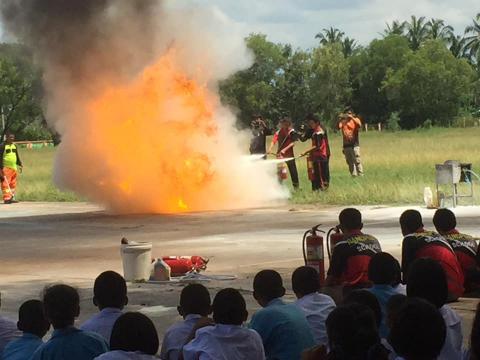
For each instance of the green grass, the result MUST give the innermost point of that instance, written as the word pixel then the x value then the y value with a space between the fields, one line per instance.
pixel 397 168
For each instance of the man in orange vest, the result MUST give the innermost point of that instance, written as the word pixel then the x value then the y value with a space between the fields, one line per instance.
pixel 10 164
pixel 350 126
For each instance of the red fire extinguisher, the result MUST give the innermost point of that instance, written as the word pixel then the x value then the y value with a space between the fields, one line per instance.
pixel 334 236
pixel 313 253
pixel 282 170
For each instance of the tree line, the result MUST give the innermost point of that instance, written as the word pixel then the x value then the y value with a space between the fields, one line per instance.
pixel 417 73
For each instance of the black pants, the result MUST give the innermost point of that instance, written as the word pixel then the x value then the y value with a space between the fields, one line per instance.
pixel 292 169
pixel 321 171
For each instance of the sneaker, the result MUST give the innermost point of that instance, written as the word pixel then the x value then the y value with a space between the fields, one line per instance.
pixel 7 201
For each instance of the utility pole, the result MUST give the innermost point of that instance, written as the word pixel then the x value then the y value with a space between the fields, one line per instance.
pixel 3 124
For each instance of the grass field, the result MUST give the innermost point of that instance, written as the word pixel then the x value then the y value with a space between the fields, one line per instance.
pixel 397 168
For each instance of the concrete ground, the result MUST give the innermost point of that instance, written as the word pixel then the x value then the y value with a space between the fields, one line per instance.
pixel 44 243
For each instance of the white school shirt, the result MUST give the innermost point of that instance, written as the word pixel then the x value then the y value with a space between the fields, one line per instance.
pixel 176 336
pixel 102 322
pixel 125 355
pixel 225 342
pixel 8 332
pixel 316 308
pixel 452 349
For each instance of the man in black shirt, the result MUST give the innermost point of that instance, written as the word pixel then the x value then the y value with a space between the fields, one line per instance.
pixel 260 131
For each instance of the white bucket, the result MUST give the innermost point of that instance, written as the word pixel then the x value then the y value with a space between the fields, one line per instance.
pixel 137 261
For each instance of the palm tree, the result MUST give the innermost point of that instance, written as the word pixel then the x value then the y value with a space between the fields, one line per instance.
pixel 330 36
pixel 417 32
pixel 472 41
pixel 457 46
pixel 349 46
pixel 396 28
pixel 437 30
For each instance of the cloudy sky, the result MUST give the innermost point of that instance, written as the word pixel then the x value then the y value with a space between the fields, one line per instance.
pixel 297 21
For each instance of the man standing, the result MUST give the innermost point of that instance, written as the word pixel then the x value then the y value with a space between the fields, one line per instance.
pixel 350 126
pixel 260 131
pixel 10 163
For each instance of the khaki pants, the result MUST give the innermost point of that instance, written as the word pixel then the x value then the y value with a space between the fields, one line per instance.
pixel 352 156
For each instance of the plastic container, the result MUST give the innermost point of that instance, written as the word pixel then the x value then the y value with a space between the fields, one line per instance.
pixel 428 197
pixel 161 271
pixel 137 260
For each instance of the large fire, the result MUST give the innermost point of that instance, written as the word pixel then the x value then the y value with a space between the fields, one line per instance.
pixel 154 145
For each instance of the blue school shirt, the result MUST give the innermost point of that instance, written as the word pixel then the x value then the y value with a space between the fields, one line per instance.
pixel 23 348
pixel 383 293
pixel 72 344
pixel 284 330
pixel 102 322
pixel 176 336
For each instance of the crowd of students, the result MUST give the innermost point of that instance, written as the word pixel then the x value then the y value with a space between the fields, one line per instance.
pixel 380 316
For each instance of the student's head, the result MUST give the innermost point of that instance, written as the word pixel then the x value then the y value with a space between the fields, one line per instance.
pixel 427 280
pixel 61 304
pixel 312 121
pixel 286 123
pixel 365 297
pixel 9 137
pixel 351 331
pixel 229 307
pixel 350 219
pixel 305 281
pixel 410 222
pixel 418 331
pixel 475 335
pixel 32 319
pixel 110 291
pixel 267 285
pixel 195 299
pixel 384 269
pixel 393 306
pixel 444 221
pixel 134 332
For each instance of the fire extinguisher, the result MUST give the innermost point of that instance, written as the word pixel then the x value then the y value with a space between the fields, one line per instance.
pixel 313 253
pixel 282 170
pixel 334 236
pixel 310 170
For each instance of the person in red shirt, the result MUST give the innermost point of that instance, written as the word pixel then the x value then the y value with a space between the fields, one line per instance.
pixel 286 137
pixel 351 256
pixel 465 247
pixel 318 155
pixel 350 126
pixel 419 243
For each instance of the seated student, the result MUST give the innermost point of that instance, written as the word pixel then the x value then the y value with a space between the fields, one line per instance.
pixel 194 305
pixel 419 243
pixel 351 256
pixel 473 353
pixel 283 327
pixel 62 306
pixel 394 305
pixel 110 296
pixel 385 274
pixel 227 339
pixel 465 247
pixel 314 305
pixel 418 331
pixel 133 337
pixel 365 297
pixel 34 325
pixel 8 331
pixel 427 280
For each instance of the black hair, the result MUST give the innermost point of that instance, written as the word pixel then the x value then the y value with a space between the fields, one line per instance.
pixel 134 331
pixel 61 304
pixel 418 331
pixel 393 306
pixel 32 319
pixel 352 332
pixel 268 285
pixel 305 281
pixel 444 220
pixel 110 290
pixel 195 299
pixel 384 269
pixel 475 335
pixel 350 219
pixel 427 280
pixel 411 221
pixel 229 307
pixel 312 117
pixel 365 297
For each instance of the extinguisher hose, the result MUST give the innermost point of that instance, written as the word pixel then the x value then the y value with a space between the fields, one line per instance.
pixel 328 242
pixel 304 241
